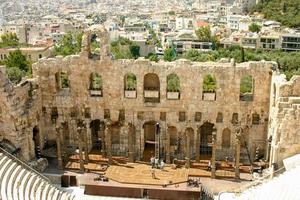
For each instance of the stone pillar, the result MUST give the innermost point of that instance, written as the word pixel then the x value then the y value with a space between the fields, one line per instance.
pixel 58 146
pixel 188 150
pixel 108 143
pixel 86 146
pixel 103 144
pixel 168 159
pixel 213 155
pixel 197 146
pixel 130 133
pixel 79 139
pixel 237 152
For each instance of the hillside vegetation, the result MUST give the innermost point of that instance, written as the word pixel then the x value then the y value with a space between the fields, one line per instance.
pixel 285 11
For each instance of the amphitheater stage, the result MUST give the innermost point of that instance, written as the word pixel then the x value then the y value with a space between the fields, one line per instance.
pixel 150 189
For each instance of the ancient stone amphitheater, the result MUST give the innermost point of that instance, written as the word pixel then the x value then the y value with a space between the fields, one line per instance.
pixel 20 182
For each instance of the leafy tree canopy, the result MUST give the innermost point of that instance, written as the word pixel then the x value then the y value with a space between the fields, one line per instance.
pixel 170 54
pixel 9 40
pixel 17 66
pixel 285 11
pixel 255 28
pixel 70 44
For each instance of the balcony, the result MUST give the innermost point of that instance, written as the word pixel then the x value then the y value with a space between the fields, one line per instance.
pixel 209 96
pixel 173 95
pixel 96 93
pixel 130 94
pixel 151 96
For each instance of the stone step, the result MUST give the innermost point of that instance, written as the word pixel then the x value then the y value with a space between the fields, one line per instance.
pixel 10 187
pixel 51 193
pixel 46 192
pixel 23 184
pixel 40 190
pixel 27 192
pixel 7 175
pixel 17 183
pixel 34 188
pixel 56 195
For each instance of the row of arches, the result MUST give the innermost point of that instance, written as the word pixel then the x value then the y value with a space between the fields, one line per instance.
pixel 152 86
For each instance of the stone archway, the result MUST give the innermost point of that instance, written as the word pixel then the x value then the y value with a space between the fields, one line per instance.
pixel 97 134
pixel 149 140
pixel 151 88
pixel 206 140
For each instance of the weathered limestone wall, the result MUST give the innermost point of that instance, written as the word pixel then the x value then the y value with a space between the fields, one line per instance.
pixel 284 130
pixel 19 113
pixel 56 111
pixel 228 75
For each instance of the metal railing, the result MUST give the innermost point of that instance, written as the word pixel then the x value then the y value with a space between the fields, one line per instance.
pixel 23 164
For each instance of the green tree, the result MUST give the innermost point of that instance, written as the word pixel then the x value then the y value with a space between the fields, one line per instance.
pixel 153 57
pixel 70 44
pixel 173 83
pixel 255 28
pixel 169 54
pixel 204 34
pixel 134 50
pixel 9 40
pixel 209 84
pixel 17 66
pixel 18 60
pixel 15 74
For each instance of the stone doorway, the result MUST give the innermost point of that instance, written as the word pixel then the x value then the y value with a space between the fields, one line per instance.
pixel 206 140
pixel 97 135
pixel 149 140
pixel 36 141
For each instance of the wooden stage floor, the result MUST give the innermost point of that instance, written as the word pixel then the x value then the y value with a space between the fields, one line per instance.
pixel 135 173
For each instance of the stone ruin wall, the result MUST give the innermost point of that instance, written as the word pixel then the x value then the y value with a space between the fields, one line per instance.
pixel 137 112
pixel 284 126
pixel 19 112
pixel 79 69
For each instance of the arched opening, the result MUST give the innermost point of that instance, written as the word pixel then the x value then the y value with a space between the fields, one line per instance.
pixel 116 140
pixel 172 132
pixel 36 141
pixel 96 85
pixel 173 86
pixel 235 119
pixel 149 140
pixel 206 140
pixel 97 135
pixel 130 86
pixel 94 47
pixel 62 81
pixel 246 88
pixel 151 88
pixel 226 138
pixel 209 88
pixel 189 143
pixel 219 117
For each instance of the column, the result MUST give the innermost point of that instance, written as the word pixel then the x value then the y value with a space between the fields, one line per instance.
pixel 86 146
pixel 197 146
pixel 168 159
pixel 108 143
pixel 58 146
pixel 213 154
pixel 130 132
pixel 237 152
pixel 188 151
pixel 103 144
pixel 79 139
